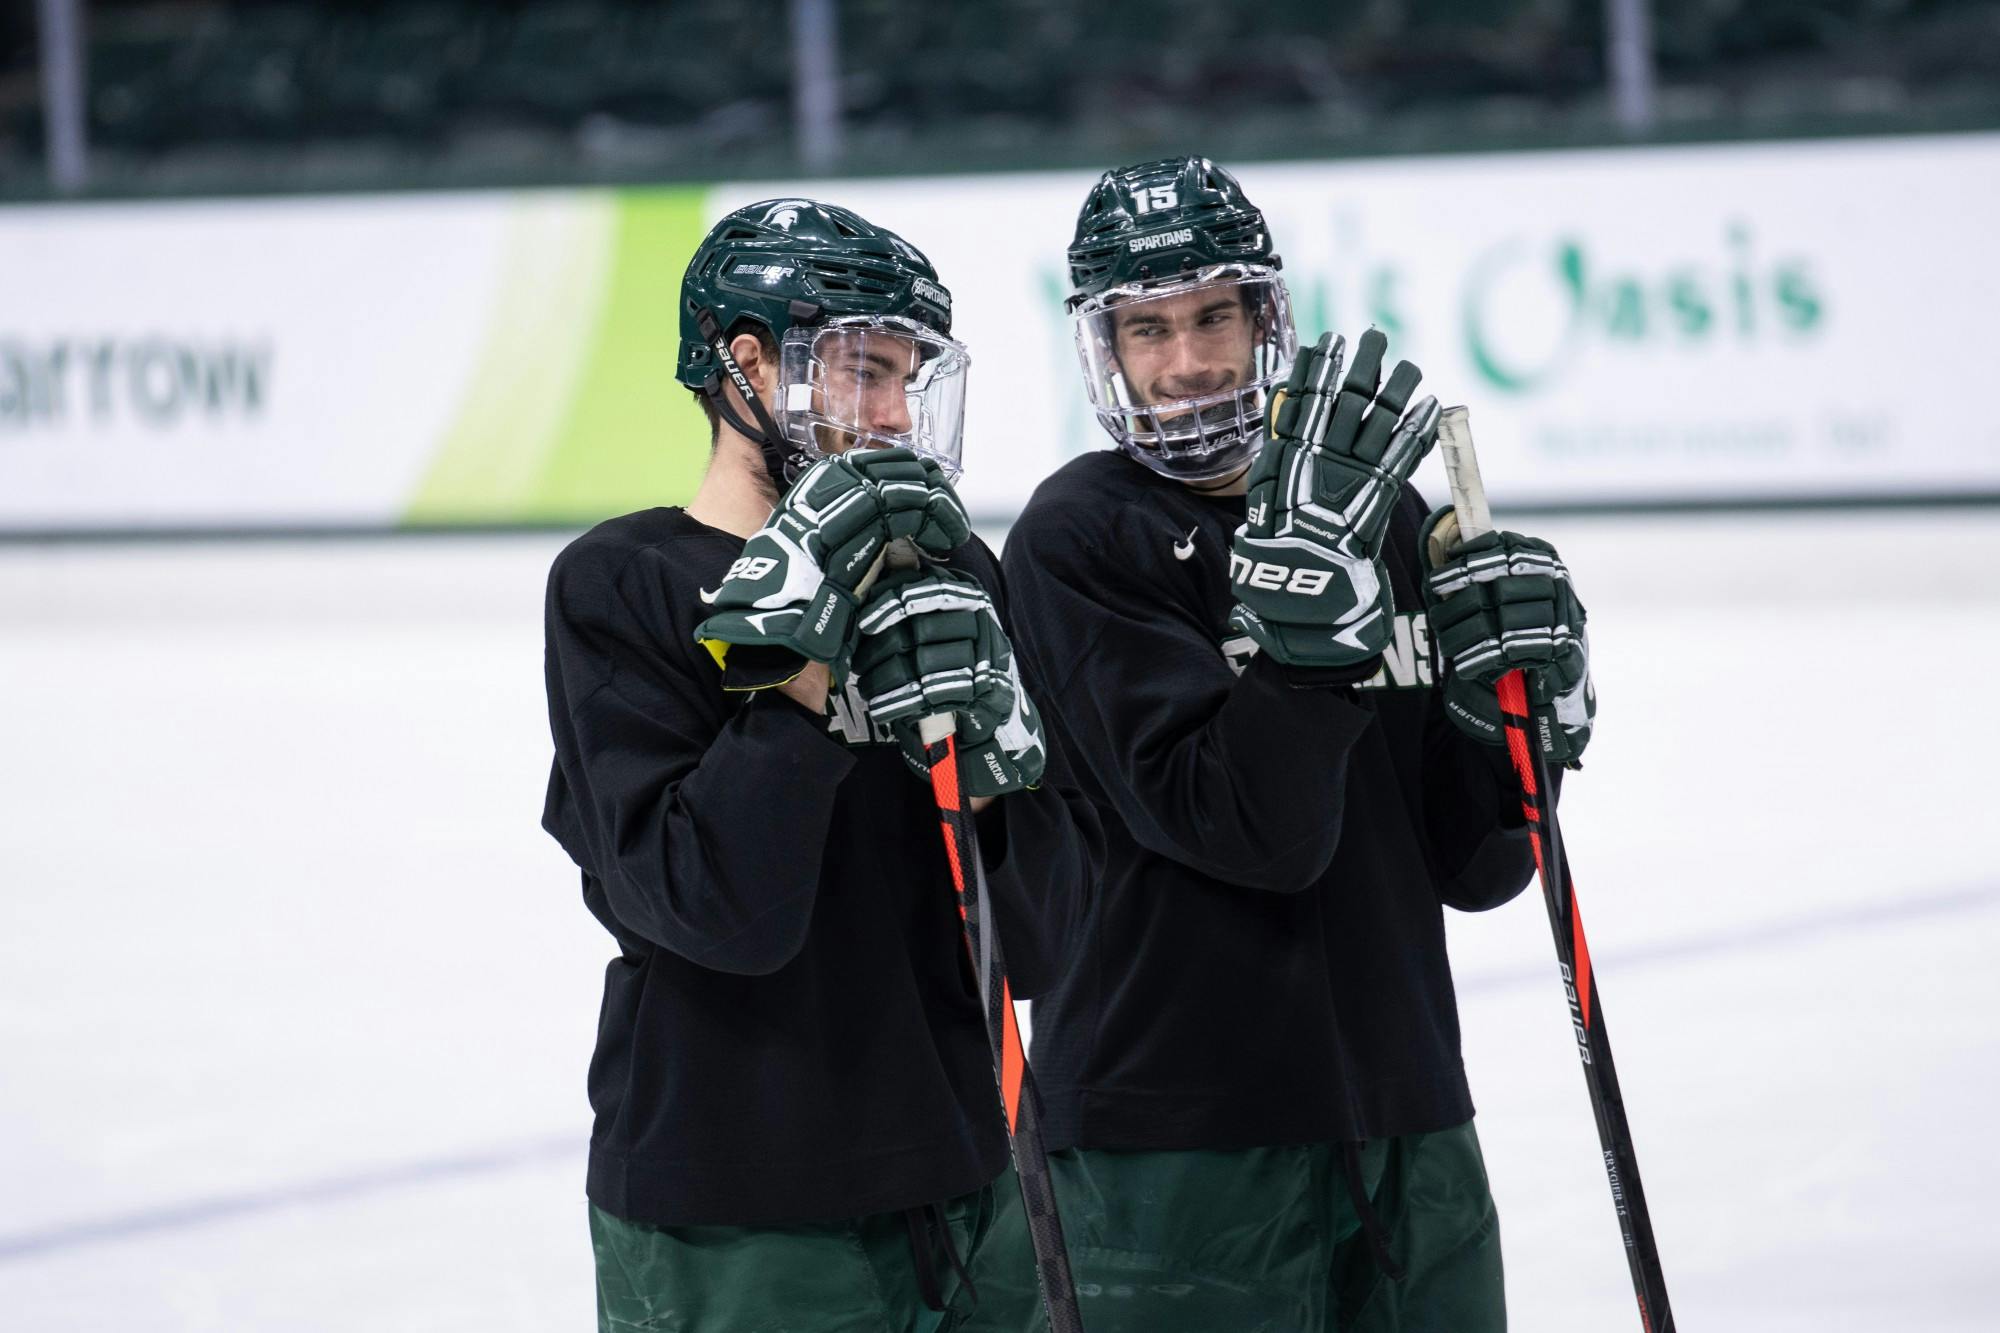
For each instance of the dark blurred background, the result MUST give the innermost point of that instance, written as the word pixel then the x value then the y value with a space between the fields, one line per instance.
pixel 253 95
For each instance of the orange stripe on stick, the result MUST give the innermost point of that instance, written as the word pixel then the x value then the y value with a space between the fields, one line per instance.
pixel 1580 947
pixel 1012 1058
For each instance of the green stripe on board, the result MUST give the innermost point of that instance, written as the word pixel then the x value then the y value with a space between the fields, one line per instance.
pixel 547 295
pixel 634 436
pixel 572 412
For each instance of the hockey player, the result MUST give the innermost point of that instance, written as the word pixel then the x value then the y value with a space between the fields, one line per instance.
pixel 1253 1065
pixel 796 1118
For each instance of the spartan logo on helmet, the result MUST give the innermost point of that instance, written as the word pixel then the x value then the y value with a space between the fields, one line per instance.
pixel 784 215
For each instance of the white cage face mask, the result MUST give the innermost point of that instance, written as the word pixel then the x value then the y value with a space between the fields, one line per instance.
pixel 1179 371
pixel 873 382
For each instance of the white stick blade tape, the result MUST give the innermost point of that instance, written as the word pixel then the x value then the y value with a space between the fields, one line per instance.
pixel 1461 470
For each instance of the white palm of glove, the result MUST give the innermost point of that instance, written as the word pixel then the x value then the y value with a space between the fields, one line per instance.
pixel 1020 732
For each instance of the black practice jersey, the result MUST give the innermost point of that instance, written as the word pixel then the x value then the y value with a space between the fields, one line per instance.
pixel 791 1031
pixel 1265 960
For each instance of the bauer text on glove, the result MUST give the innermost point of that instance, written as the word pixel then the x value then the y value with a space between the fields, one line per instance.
pixel 1306 566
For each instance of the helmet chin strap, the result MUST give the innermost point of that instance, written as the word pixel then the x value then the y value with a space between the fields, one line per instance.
pixel 778 460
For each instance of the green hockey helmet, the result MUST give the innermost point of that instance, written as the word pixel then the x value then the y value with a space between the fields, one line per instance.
pixel 1160 219
pixel 862 324
pixel 1182 322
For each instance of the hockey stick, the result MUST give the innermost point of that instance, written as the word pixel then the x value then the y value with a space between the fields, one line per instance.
pixel 1010 1066
pixel 1593 1043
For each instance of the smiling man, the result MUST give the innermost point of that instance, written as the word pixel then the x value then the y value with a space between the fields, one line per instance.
pixel 1252 1066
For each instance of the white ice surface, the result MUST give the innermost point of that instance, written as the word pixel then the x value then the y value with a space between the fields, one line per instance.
pixel 296 999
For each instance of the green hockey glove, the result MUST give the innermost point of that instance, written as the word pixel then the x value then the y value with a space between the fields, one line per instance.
pixel 1500 602
pixel 917 500
pixel 793 586
pixel 1306 565
pixel 932 643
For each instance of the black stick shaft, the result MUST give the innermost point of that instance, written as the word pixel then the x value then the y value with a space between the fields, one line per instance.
pixel 1016 1084
pixel 1526 729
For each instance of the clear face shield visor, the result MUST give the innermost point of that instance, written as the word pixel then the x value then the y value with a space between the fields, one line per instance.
pixel 873 382
pixel 1179 371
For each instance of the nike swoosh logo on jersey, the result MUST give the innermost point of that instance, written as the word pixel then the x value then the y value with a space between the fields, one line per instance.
pixel 706 595
pixel 1185 550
